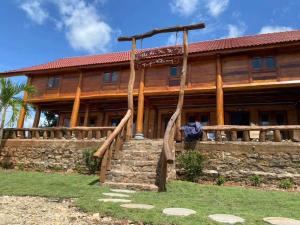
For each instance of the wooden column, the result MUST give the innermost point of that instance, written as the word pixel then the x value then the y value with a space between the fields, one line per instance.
pixel 146 121
pixel 140 113
pixel 219 94
pixel 37 117
pixel 130 90
pixel 76 104
pixel 86 116
pixel 23 111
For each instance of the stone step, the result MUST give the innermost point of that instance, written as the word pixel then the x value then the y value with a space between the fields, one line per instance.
pixel 134 166
pixel 139 156
pixel 132 186
pixel 131 177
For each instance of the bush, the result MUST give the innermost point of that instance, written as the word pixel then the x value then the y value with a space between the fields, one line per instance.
pixel 91 162
pixel 6 164
pixel 192 163
pixel 220 180
pixel 286 183
pixel 255 180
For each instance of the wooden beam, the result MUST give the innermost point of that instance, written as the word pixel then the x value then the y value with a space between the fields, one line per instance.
pixel 23 111
pixel 130 89
pixel 219 93
pixel 140 112
pixel 37 116
pixel 76 104
pixel 163 30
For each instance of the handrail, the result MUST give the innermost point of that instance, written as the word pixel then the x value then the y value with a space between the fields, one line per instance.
pixel 100 152
pixel 106 152
pixel 230 133
pixel 56 132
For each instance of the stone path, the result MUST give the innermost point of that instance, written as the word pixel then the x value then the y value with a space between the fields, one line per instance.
pixel 114 200
pixel 226 218
pixel 37 211
pixel 281 221
pixel 123 191
pixel 137 206
pixel 178 212
pixel 116 195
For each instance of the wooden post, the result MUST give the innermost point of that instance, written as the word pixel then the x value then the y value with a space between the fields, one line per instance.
pixel 182 83
pixel 219 93
pixel 23 111
pixel 146 121
pixel 140 113
pixel 37 117
pixel 130 89
pixel 76 104
pixel 86 116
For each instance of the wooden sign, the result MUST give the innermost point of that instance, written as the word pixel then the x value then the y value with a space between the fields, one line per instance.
pixel 160 61
pixel 158 53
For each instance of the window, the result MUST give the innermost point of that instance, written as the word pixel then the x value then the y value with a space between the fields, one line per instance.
pixel 110 77
pixel 270 63
pixel 257 63
pixel 263 63
pixel 53 82
pixel 173 71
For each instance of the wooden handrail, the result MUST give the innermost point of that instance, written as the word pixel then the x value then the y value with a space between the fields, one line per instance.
pixel 57 132
pixel 101 151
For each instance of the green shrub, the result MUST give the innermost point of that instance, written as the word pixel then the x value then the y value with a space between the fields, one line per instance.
pixel 21 167
pixel 255 180
pixel 220 180
pixel 6 164
pixel 286 183
pixel 192 163
pixel 92 163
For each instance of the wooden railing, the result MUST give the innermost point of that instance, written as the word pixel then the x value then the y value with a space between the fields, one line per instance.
pixel 79 133
pixel 251 133
pixel 112 146
pixel 167 156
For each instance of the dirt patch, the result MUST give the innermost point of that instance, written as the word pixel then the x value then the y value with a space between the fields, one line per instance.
pixel 36 211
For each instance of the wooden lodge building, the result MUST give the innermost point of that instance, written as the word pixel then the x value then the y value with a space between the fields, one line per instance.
pixel 251 80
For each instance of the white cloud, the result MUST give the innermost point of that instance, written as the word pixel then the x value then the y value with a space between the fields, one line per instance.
pixel 272 29
pixel 172 39
pixel 235 30
pixel 184 7
pixel 84 28
pixel 35 11
pixel 216 7
pixel 190 7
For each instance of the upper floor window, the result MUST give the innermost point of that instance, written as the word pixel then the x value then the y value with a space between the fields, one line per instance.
pixel 174 71
pixel 110 77
pixel 263 63
pixel 53 82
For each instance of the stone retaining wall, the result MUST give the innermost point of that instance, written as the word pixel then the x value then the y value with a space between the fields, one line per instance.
pixel 46 154
pixel 238 161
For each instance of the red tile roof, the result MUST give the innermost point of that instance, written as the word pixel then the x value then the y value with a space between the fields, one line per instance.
pixel 199 47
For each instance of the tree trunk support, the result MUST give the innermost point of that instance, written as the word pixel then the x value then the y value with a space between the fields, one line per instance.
pixel 140 114
pixel 219 93
pixel 76 104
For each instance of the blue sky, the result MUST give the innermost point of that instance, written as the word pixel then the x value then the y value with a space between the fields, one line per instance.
pixel 38 31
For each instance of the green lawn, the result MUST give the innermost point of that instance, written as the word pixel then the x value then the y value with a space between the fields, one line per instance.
pixel 250 204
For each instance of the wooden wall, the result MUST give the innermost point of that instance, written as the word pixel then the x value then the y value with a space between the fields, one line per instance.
pixel 236 69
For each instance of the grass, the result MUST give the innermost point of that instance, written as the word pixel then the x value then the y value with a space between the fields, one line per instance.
pixel 251 204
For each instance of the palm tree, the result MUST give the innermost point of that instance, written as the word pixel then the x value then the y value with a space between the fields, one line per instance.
pixel 10 98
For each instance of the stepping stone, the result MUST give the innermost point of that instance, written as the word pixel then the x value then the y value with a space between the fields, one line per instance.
pixel 114 200
pixel 281 221
pixel 178 212
pixel 116 195
pixel 137 206
pixel 123 191
pixel 226 218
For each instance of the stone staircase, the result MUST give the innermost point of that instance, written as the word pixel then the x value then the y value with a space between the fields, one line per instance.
pixel 136 166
